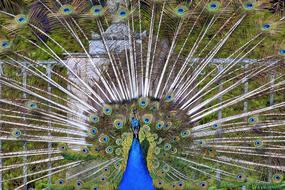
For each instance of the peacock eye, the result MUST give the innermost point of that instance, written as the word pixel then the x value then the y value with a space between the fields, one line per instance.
pixel 180 10
pixel 185 133
pixel 252 120
pixel 94 131
pixel 239 176
pixel 167 126
pixel 277 178
pixel 200 142
pixel 147 118
pixel 173 150
pixel 213 5
pixel 31 105
pixel 118 123
pixel 85 150
pixel 266 26
pixel 258 143
pixel 117 165
pixel 123 13
pixel 21 19
pixel 249 5
pixel 93 118
pixel 203 184
pixel 109 150
pixel 215 126
pixel 66 9
pixel 5 44
pixel 159 125
pixel 16 133
pixel 97 11
pixel 167 146
pixel 107 110
pixel 61 181
pixel 143 102
pixel 79 183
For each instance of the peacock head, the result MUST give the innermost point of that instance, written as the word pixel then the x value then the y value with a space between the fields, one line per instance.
pixel 135 127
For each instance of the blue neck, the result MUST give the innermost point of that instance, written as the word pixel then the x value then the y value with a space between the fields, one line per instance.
pixel 136 175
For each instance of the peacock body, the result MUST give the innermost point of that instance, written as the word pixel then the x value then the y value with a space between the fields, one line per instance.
pixel 161 95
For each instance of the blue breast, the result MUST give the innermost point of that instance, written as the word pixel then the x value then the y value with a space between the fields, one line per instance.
pixel 136 175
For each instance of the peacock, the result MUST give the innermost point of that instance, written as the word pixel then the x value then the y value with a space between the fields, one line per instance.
pixel 142 95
